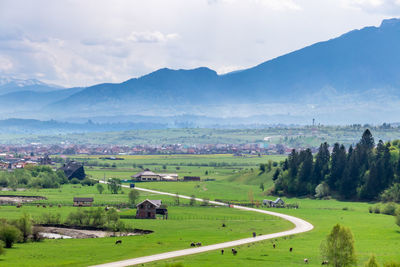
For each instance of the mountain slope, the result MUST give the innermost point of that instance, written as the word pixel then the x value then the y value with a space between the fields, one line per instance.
pixel 359 60
pixel 356 62
pixel 31 100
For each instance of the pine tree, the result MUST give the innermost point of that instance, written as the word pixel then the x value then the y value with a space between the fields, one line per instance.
pixel 305 172
pixel 321 166
pixel 367 141
pixel 350 178
pixel 338 165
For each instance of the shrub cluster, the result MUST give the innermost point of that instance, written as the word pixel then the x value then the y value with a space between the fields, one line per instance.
pixel 388 209
pixel 12 231
pixel 33 177
pixel 97 218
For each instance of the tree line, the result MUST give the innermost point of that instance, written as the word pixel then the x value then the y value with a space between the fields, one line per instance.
pixel 363 172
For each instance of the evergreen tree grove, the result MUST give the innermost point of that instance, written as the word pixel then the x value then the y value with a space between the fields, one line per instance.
pixel 360 173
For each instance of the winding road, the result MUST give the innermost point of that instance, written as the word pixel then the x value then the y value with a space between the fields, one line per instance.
pixel 301 226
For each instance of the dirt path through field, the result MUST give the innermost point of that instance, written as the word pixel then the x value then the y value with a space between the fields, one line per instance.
pixel 301 226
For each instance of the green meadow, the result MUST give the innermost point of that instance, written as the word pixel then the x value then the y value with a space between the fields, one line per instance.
pixel 185 224
pixel 373 233
pixel 233 178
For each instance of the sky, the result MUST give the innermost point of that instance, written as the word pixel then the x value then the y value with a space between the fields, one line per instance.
pixel 81 43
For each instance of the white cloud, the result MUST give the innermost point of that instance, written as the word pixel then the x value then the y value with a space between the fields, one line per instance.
pixel 82 43
pixel 272 4
pixel 151 37
pixel 5 64
pixel 391 7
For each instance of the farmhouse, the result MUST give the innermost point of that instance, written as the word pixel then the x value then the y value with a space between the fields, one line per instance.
pixel 148 175
pixel 83 201
pixel 276 203
pixel 73 169
pixel 148 209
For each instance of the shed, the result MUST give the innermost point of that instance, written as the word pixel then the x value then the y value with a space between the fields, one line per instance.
pixel 83 201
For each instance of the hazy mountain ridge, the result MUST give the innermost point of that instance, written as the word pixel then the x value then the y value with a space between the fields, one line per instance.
pixel 347 75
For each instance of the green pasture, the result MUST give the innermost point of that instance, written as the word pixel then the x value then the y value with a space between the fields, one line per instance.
pixel 373 233
pixel 236 178
pixel 65 194
pixel 185 225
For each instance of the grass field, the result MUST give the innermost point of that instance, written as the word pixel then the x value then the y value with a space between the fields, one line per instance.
pixel 373 233
pixel 185 225
pixel 234 180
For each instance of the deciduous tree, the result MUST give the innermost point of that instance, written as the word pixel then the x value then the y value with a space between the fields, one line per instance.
pixel 338 248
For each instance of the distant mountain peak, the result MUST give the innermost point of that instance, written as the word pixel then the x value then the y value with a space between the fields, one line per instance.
pixel 390 22
pixel 20 82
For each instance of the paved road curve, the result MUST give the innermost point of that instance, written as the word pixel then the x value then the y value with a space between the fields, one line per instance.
pixel 301 226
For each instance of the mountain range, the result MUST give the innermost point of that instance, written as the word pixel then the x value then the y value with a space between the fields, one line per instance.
pixel 352 78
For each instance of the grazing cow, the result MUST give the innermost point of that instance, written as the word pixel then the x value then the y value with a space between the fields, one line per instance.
pixel 290 249
pixel 198 244
pixel 273 245
pixel 192 244
pixel 44 206
pixel 306 261
pixel 234 252
pixel 38 205
pixel 118 242
pixel 325 262
pixel 222 252
pixel 254 234
pixel 223 225
pixel 59 205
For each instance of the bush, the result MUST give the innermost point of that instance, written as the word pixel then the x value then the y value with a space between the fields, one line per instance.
pixel 389 209
pixel 51 218
pixel 24 224
pixel 322 190
pixel 75 181
pixel 88 182
pixel 2 251
pixel 398 220
pixel 9 234
pixel 377 209
pixel 370 209
pixel 372 262
pixel 36 237
pixel 392 193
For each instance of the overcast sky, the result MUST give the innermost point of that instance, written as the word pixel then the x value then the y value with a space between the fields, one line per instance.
pixel 80 43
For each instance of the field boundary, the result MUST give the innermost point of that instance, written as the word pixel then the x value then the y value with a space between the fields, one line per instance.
pixel 301 226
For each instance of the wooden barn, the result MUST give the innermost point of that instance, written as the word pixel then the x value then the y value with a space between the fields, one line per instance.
pixel 83 201
pixel 148 209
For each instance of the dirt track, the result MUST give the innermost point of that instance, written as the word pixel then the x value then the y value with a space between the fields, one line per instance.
pixel 301 226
